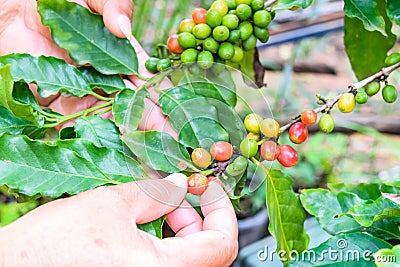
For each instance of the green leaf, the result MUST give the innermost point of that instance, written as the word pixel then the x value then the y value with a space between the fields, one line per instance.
pixel 128 108
pixel 360 42
pixel 230 120
pixel 286 4
pixel 52 75
pixel 102 132
pixel 158 150
pixel 67 133
pixel 36 167
pixel 388 257
pixel 193 117
pixel 11 124
pixel 154 227
pixel 86 38
pixel 111 162
pixel 108 83
pixel 325 206
pixel 209 89
pixel 367 214
pixel 20 110
pixel 366 11
pixel 365 191
pixel 353 249
pixel 246 66
pixel 393 10
pixel 285 213
pixel 22 93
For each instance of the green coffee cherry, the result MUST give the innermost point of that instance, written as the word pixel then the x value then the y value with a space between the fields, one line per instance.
pixel 389 93
pixel 205 59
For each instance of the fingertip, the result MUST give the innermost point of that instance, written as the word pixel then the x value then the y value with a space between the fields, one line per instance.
pixel 178 179
pixel 115 13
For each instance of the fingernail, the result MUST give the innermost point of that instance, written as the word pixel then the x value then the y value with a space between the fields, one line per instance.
pixel 125 26
pixel 178 179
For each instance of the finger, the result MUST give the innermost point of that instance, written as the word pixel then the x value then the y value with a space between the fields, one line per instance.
pixel 151 199
pixel 185 220
pixel 154 119
pixel 152 116
pixel 217 244
pixel 112 11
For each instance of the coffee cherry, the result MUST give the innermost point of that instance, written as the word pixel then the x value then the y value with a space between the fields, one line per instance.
pixel 269 127
pixel 262 18
pixel 243 11
pixel 230 21
pixel 231 4
pixel 201 158
pixel 308 117
pixel 199 15
pixel 238 55
pixel 211 45
pixel 186 40
pixel 237 167
pixel 261 33
pixel 226 50
pixel 392 59
pixel 220 33
pixel 372 88
pixel 248 147
pixel 269 150
pixel 288 156
pixel 361 96
pixel 186 25
pixel 173 44
pixel 197 183
pixel 246 29
pixel 221 151
pixel 252 123
pixel 346 103
pixel 254 136
pixel 151 64
pixel 205 59
pixel 201 31
pixel 389 93
pixel 326 123
pixel 163 64
pixel 246 2
pixel 213 18
pixel 250 43
pixel 234 36
pixel 298 133
pixel 189 55
pixel 257 5
pixel 221 6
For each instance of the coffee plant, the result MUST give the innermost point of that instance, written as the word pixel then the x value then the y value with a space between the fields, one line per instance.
pixel 40 158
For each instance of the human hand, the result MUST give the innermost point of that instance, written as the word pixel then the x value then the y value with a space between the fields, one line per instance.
pixel 21 31
pixel 98 228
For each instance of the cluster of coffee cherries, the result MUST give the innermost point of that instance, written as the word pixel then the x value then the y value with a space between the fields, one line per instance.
pixel 220 34
pixel 260 142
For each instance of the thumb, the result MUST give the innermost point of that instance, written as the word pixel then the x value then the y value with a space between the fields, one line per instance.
pixel 151 199
pixel 113 11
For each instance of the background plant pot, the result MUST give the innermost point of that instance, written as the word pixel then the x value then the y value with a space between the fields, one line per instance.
pixel 253 228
